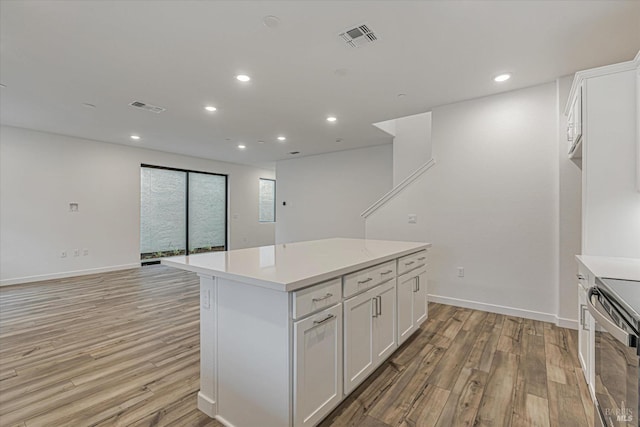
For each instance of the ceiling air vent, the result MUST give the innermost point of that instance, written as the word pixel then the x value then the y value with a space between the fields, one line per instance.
pixel 358 36
pixel 147 107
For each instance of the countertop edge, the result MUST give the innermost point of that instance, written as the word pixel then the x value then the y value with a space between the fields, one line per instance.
pixel 298 284
pixel 612 267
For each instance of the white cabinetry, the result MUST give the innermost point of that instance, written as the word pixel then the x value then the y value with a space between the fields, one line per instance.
pixel 317 365
pixel 412 302
pixel 586 328
pixel 574 126
pixel 369 325
pixel 608 120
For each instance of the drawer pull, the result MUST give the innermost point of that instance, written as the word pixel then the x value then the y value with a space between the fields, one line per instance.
pixel 328 295
pixel 409 263
pixel 422 258
pixel 386 272
pixel 318 322
pixel 360 282
pixel 379 298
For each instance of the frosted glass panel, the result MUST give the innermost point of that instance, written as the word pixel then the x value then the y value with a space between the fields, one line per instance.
pixel 162 212
pixel 267 200
pixel 207 212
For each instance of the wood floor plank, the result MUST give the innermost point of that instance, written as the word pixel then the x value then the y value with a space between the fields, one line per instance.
pixel 122 348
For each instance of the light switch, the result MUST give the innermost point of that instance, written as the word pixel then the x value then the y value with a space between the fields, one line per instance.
pixel 413 218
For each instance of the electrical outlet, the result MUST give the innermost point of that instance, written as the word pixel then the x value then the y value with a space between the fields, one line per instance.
pixel 63 254
pixel 76 252
pixel 413 219
pixel 460 271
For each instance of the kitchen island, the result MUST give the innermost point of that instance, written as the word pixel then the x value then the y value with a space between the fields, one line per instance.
pixel 288 331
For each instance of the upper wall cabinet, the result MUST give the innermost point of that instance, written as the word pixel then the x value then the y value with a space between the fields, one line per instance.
pixel 603 115
pixel 574 126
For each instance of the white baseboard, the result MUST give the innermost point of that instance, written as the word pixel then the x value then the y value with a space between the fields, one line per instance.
pixel 65 274
pixel 492 308
pixel 567 323
pixel 207 405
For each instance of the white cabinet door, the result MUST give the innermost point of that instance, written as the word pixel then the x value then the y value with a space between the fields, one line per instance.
pixel 369 332
pixel 317 365
pixel 406 286
pixel 358 338
pixel 384 323
pixel 583 332
pixel 412 302
pixel 420 307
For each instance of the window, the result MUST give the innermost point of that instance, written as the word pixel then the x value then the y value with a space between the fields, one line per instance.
pixel 267 200
pixel 181 212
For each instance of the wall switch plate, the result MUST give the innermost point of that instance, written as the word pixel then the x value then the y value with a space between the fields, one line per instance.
pixel 85 252
pixel 206 299
pixel 460 271
pixel 63 254
pixel 413 219
pixel 76 252
pixel 73 207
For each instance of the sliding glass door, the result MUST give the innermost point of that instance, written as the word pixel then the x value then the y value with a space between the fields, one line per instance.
pixel 181 212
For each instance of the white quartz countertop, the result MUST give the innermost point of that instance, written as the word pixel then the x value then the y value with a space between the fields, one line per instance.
pixel 615 268
pixel 291 266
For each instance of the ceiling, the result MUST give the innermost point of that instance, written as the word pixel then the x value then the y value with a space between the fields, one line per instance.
pixel 183 55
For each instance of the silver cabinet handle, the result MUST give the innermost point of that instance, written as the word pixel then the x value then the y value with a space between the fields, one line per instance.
pixel 360 282
pixel 374 301
pixel 422 258
pixel 583 318
pixel 386 272
pixel 318 322
pixel 409 263
pixel 328 295
pixel 602 317
pixel 379 304
pixel 580 276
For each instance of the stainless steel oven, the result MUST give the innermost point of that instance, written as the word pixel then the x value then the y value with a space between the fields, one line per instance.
pixel 615 305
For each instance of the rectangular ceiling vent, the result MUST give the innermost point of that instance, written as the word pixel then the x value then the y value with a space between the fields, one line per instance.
pixel 358 36
pixel 147 107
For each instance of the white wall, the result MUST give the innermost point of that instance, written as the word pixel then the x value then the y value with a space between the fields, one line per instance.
pixel 41 173
pixel 411 145
pixel 489 204
pixel 325 194
pixel 570 216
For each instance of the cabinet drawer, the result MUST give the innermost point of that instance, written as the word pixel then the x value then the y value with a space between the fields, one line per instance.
pixel 410 262
pixel 317 297
pixel 368 278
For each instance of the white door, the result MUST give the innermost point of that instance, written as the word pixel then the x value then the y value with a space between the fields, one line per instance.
pixel 384 324
pixel 406 288
pixel 420 304
pixel 317 365
pixel 358 340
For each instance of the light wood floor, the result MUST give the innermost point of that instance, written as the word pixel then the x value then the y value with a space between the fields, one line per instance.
pixel 122 349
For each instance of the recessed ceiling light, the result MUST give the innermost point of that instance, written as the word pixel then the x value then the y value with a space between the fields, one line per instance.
pixel 331 119
pixel 282 138
pixel 135 137
pixel 242 146
pixel 210 108
pixel 502 77
pixel 271 21
pixel 243 77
